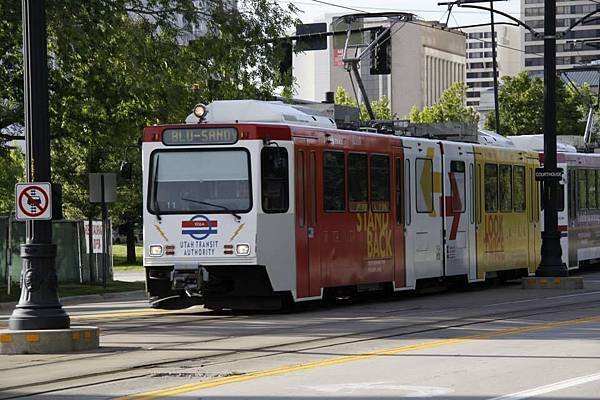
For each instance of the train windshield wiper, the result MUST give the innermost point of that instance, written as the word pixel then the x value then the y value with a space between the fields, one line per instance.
pixel 237 217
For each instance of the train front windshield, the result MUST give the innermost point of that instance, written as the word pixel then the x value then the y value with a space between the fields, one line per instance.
pixel 199 181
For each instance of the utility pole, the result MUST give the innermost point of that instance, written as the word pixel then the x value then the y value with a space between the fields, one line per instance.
pixel 38 306
pixel 551 262
pixel 495 68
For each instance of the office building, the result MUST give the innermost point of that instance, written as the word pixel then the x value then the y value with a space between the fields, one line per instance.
pixel 580 46
pixel 480 75
pixel 426 59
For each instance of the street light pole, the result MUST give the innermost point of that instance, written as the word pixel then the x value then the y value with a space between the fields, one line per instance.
pixel 551 262
pixel 38 306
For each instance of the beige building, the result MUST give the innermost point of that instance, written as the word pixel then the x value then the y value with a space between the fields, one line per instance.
pixel 425 60
pixel 480 75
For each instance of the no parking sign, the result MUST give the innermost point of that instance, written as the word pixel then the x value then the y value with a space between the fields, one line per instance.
pixel 33 201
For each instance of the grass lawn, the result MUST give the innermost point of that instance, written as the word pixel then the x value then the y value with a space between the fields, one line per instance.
pixel 74 289
pixel 120 258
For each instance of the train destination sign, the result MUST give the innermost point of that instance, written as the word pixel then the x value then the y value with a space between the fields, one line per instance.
pixel 199 136
pixel 542 174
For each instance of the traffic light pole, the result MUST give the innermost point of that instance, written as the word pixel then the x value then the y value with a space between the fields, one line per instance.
pixel 38 306
pixel 551 262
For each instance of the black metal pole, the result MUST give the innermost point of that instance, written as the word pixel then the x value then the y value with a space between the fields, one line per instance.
pixel 104 235
pixel 551 263
pixel 494 68
pixel 38 306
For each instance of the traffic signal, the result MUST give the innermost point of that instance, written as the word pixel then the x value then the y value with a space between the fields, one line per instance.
pixel 381 53
pixel 309 37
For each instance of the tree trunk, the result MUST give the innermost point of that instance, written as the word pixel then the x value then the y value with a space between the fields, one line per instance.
pixel 131 259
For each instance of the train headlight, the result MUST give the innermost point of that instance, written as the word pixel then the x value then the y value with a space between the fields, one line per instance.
pixel 242 249
pixel 156 250
pixel 200 111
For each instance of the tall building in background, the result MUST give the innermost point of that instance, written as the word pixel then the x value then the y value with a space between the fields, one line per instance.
pixel 480 75
pixel 571 50
pixel 425 60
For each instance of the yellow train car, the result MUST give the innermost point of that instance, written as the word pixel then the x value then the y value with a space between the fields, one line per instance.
pixel 507 208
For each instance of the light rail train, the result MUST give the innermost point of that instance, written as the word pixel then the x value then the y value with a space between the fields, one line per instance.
pixel 259 205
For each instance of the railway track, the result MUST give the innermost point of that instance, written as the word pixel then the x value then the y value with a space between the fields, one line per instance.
pixel 217 351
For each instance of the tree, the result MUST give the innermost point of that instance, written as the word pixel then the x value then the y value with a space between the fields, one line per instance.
pixel 450 108
pixel 119 65
pixel 381 107
pixel 521 106
pixel 12 168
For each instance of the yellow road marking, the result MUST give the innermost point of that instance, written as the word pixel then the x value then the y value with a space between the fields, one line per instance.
pixel 192 387
pixel 137 313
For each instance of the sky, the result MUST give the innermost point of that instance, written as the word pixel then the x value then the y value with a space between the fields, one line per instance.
pixel 426 9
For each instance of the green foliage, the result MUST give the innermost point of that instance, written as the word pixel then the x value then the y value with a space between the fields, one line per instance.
pixel 119 65
pixel 521 106
pixel 12 170
pixel 450 108
pixel 381 108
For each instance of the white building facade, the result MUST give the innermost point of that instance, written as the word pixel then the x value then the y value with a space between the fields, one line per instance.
pixel 480 75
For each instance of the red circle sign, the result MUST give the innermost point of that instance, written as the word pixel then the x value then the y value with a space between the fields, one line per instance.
pixel 38 203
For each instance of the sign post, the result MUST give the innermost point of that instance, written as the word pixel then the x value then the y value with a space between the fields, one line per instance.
pixel 33 201
pixel 103 190
pixel 38 307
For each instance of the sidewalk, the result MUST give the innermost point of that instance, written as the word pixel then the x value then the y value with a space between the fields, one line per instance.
pixel 91 298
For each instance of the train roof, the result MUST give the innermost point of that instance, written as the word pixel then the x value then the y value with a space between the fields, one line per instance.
pixel 256 111
pixel 536 143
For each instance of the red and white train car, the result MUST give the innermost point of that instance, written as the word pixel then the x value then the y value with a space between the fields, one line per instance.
pixel 258 205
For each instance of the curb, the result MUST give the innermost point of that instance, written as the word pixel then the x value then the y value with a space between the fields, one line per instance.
pixel 72 300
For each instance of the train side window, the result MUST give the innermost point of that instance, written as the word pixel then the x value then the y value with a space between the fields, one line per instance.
pixel 399 191
pixel 358 182
pixel 582 188
pixel 457 168
pixel 275 180
pixel 592 201
pixel 424 185
pixel 505 191
pixel 300 206
pixel 334 182
pixel 473 189
pixel 380 183
pixel 572 194
pixel 519 202
pixel 491 187
pixel 478 191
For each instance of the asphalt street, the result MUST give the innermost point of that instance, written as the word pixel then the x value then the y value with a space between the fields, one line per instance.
pixel 499 342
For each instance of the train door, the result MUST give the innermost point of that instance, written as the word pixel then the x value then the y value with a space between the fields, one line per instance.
pixel 424 222
pixel 399 190
pixel 533 216
pixel 459 229
pixel 308 274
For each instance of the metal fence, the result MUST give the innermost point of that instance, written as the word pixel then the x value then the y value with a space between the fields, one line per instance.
pixel 72 259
